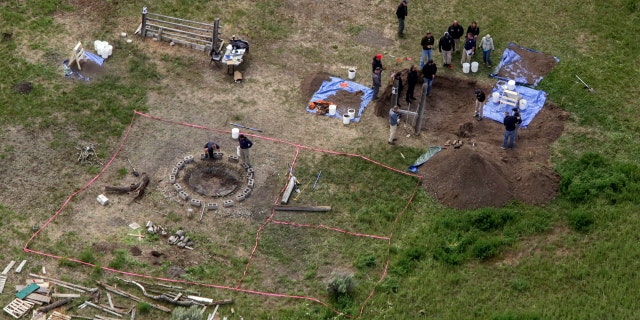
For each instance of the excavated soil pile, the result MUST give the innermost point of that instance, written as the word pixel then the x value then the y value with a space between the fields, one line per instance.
pixel 478 174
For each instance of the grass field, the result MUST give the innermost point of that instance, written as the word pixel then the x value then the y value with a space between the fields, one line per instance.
pixel 575 258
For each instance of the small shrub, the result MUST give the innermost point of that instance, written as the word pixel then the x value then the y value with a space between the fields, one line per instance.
pixel 340 285
pixel 119 260
pixel 365 261
pixel 485 248
pixel 145 308
pixel 520 285
pixel 580 220
pixel 180 313
pixel 87 256
pixel 64 262
pixel 490 219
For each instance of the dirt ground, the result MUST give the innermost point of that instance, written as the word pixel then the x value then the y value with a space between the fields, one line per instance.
pixel 480 173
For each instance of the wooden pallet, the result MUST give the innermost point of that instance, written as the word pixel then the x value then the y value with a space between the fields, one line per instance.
pixel 18 308
pixel 509 97
pixel 58 316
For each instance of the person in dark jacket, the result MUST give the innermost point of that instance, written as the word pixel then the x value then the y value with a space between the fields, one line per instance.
pixel 377 62
pixel 244 144
pixel 427 47
pixel 456 31
pixel 376 82
pixel 412 80
pixel 446 45
pixel 469 49
pixel 474 30
pixel 401 13
pixel 210 147
pixel 429 73
pixel 516 113
pixel 481 97
pixel 510 123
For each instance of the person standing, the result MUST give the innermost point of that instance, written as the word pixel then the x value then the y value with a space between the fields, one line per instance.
pixel 377 63
pixel 469 49
pixel 456 31
pixel 244 144
pixel 210 147
pixel 516 113
pixel 474 30
pixel 377 82
pixel 481 97
pixel 446 45
pixel 510 123
pixel 486 44
pixel 401 13
pixel 394 120
pixel 412 80
pixel 427 47
pixel 429 73
pixel 398 76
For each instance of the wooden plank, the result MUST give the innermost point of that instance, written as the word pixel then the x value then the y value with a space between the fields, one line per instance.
pixel 66 295
pixel 8 267
pixel 3 281
pixel 19 268
pixel 303 208
pixel 287 192
pixel 39 297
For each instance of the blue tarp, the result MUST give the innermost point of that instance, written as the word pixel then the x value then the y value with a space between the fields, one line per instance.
pixel 71 74
pixel 424 157
pixel 330 88
pixel 535 101
pixel 509 63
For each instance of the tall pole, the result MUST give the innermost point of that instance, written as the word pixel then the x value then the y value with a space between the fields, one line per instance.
pixel 421 107
pixel 143 28
pixel 394 91
pixel 216 37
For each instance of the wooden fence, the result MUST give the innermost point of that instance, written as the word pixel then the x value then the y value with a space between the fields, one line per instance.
pixel 192 34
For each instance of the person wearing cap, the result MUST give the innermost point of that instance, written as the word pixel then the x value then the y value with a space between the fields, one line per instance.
pixel 456 31
pixel 394 120
pixel 427 47
pixel 446 45
pixel 377 62
pixel 429 73
pixel 474 29
pixel 486 44
pixel 469 49
pixel 510 124
pixel 481 97
pixel 377 82
pixel 244 143
pixel 401 13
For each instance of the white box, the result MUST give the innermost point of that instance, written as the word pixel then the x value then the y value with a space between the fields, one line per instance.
pixel 103 200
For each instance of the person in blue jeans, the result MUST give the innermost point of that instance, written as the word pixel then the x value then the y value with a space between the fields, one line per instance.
pixel 486 44
pixel 429 73
pixel 401 13
pixel 427 47
pixel 510 122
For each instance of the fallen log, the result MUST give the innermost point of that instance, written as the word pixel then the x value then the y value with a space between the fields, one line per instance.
pixel 137 187
pixel 301 208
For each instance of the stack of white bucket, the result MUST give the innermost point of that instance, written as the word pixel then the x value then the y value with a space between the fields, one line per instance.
pixel 103 48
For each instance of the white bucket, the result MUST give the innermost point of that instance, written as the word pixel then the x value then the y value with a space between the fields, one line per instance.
pixel 351 113
pixel 496 97
pixel 346 119
pixel 511 85
pixel 332 109
pixel 474 66
pixel 465 67
pixel 235 132
pixel 352 74
pixel 522 104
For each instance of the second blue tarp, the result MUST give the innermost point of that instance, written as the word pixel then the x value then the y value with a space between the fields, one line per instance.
pixel 535 100
pixel 331 87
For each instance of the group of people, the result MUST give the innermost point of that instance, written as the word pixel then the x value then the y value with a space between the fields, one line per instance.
pixel 244 144
pixel 428 71
pixel 450 42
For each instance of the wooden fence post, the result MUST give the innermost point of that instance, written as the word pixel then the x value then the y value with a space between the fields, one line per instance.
pixel 143 30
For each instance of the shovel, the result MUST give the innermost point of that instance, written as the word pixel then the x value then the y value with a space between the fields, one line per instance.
pixel 135 172
pixel 586 85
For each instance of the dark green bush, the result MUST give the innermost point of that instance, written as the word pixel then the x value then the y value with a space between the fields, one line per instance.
pixel 365 261
pixel 580 220
pixel 485 248
pixel 490 219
